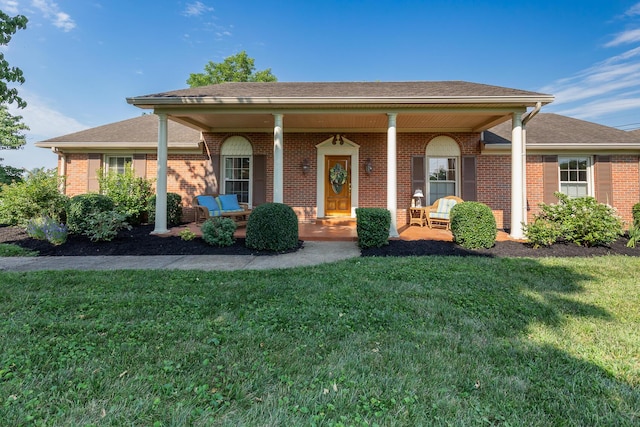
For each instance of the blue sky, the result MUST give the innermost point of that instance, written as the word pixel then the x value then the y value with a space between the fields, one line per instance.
pixel 81 59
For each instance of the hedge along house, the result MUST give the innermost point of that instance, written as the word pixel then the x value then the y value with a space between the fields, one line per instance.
pixel 327 148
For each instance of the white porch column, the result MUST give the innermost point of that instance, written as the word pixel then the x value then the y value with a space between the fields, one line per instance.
pixel 161 183
pixel 392 176
pixel 517 183
pixel 278 162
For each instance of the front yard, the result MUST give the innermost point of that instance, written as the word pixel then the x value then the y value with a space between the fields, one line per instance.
pixel 368 341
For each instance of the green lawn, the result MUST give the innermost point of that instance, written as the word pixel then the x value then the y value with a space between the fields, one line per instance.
pixel 405 341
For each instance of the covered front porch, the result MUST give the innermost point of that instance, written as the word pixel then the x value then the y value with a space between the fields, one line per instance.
pixel 345 231
pixel 292 112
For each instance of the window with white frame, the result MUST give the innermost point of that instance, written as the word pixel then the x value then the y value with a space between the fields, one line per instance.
pixel 574 176
pixel 237 173
pixel 442 177
pixel 236 154
pixel 117 164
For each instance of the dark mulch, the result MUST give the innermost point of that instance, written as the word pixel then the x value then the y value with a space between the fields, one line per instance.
pixel 500 249
pixel 137 241
pixel 140 241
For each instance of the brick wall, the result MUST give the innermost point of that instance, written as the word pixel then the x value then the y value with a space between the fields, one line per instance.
pixel 188 173
pixel 625 171
pixel 77 170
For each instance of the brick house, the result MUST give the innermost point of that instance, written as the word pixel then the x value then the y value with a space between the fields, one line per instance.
pixel 284 142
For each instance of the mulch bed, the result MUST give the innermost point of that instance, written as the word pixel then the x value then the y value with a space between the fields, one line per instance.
pixel 137 241
pixel 500 249
pixel 140 241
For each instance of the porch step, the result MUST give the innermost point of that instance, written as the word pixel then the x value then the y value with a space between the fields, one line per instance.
pixel 336 221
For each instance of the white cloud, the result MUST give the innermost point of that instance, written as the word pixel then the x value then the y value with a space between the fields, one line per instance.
pixel 599 108
pixel 43 120
pixel 196 9
pixel 10 7
pixel 625 37
pixel 633 10
pixel 51 11
pixel 607 88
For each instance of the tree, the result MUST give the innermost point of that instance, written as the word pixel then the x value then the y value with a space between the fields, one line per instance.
pixel 236 68
pixel 11 127
pixel 11 137
pixel 8 27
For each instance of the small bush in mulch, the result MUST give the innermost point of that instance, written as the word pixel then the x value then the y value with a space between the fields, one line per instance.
pixel 218 231
pixel 473 225
pixel 272 227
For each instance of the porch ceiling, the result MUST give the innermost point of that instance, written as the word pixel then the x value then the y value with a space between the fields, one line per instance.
pixel 440 120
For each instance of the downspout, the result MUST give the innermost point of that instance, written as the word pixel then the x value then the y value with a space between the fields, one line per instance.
pixel 62 172
pixel 525 119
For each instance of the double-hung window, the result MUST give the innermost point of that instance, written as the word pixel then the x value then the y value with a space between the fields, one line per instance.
pixel 442 177
pixel 237 177
pixel 575 176
pixel 117 164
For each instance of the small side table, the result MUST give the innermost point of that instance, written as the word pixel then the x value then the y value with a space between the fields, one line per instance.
pixel 418 216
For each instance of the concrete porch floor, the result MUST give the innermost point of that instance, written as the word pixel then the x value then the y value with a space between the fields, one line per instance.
pixel 346 232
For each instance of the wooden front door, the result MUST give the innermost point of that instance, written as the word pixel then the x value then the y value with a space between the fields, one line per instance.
pixel 337 188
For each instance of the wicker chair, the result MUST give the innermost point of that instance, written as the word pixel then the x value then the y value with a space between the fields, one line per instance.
pixel 438 213
pixel 207 206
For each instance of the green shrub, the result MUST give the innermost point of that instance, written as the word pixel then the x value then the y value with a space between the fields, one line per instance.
pixel 45 228
pixel 373 227
pixel 542 232
pixel 635 211
pixel 81 206
pixel 218 231
pixel 634 235
pixel 37 196
pixel 187 235
pixel 582 220
pixel 473 225
pixel 272 227
pixel 130 194
pixel 104 226
pixel 174 209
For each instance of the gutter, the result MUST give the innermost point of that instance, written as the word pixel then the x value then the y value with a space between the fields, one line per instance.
pixel 252 101
pixel 531 114
pixel 63 169
pixel 551 146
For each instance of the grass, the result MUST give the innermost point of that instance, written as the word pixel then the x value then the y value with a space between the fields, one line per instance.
pixel 405 341
pixel 11 250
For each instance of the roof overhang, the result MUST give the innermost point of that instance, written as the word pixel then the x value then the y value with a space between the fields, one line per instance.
pixel 498 148
pixel 137 147
pixel 456 113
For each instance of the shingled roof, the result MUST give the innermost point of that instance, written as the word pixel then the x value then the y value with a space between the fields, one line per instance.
pixel 549 128
pixel 140 132
pixel 344 90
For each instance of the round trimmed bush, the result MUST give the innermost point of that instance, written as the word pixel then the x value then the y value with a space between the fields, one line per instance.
pixel 80 207
pixel 272 227
pixel 218 231
pixel 473 225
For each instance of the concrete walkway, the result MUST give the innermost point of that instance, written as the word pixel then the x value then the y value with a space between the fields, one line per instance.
pixel 312 253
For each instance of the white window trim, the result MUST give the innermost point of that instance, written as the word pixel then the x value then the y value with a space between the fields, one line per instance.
pixel 590 172
pixel 457 181
pixel 106 157
pixel 224 177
